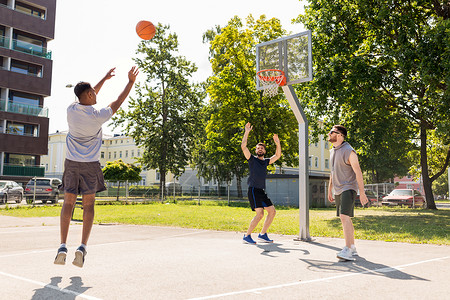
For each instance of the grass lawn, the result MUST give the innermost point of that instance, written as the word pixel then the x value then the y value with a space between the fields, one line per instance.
pixel 386 224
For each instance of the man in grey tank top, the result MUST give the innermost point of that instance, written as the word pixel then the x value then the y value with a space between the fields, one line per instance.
pixel 346 178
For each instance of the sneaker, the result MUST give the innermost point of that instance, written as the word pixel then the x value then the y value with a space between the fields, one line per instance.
pixel 60 258
pixel 346 254
pixel 248 240
pixel 354 253
pixel 264 238
pixel 79 257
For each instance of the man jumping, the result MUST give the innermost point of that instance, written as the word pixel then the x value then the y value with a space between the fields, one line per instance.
pixel 256 186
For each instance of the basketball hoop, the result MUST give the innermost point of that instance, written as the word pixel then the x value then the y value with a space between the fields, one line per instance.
pixel 271 79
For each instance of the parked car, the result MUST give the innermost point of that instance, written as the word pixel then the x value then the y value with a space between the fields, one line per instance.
pixel 46 190
pixel 404 197
pixel 10 190
pixel 372 199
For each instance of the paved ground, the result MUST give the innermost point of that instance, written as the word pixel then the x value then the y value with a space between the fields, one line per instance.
pixel 146 262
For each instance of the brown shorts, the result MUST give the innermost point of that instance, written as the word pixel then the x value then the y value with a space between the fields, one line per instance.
pixel 82 178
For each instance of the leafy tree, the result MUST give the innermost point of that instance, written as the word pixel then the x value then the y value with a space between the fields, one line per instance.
pixel 382 60
pixel 234 101
pixel 120 171
pixel 163 119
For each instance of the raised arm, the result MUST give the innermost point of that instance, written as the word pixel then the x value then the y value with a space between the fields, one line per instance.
pixel 248 128
pixel 115 105
pixel 277 154
pixel 353 159
pixel 108 75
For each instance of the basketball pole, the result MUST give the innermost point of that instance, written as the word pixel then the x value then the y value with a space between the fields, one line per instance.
pixel 303 162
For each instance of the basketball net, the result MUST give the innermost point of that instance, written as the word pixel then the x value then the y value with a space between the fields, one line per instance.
pixel 271 79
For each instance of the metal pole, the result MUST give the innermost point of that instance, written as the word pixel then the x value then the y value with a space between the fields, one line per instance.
pixel 34 192
pixel 303 157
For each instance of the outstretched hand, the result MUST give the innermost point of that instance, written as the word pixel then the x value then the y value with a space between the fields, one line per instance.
pixel 110 73
pixel 248 127
pixel 276 139
pixel 132 74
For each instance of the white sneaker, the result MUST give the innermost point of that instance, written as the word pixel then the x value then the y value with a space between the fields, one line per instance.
pixel 354 253
pixel 346 254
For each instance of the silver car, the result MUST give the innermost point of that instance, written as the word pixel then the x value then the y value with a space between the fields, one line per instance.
pixel 46 190
pixel 10 190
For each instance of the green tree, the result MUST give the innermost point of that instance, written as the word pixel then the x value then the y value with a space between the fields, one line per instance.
pixel 119 171
pixel 234 101
pixel 378 60
pixel 163 118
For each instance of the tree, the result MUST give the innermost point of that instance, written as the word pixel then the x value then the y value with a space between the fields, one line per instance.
pixel 378 60
pixel 120 171
pixel 163 119
pixel 234 101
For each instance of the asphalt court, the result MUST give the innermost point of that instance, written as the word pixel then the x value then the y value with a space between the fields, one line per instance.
pixel 148 262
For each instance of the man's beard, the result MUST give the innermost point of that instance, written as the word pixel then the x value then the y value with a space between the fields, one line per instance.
pixel 260 154
pixel 332 139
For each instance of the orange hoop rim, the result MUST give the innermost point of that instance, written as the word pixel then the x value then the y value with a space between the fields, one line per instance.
pixel 280 79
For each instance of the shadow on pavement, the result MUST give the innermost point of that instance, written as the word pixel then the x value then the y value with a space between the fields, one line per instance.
pixel 275 247
pixel 360 266
pixel 53 291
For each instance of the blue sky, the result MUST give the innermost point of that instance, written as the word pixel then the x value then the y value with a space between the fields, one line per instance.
pixel 93 36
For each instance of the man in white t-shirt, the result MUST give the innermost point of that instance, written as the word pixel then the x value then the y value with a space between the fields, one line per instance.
pixel 82 171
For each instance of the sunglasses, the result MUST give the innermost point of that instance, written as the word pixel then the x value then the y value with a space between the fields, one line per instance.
pixel 332 131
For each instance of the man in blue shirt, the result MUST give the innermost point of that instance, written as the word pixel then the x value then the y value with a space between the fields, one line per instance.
pixel 256 186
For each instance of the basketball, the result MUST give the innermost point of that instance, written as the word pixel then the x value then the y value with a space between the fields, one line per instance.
pixel 145 30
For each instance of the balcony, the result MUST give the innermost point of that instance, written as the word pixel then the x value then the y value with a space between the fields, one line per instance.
pixel 23 109
pixel 25 47
pixel 18 170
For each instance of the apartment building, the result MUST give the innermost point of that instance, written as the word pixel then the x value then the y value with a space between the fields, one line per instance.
pixel 25 80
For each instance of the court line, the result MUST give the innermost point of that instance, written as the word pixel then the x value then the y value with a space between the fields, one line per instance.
pixel 104 244
pixel 53 287
pixel 256 290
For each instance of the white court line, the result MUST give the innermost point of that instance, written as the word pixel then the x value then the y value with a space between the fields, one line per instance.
pixel 33 229
pixel 104 244
pixel 256 290
pixel 53 287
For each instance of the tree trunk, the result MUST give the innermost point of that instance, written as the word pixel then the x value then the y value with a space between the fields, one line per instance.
pixel 118 188
pixel 218 188
pixel 424 165
pixel 162 185
pixel 239 186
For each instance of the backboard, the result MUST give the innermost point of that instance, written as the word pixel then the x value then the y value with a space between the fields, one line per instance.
pixel 291 54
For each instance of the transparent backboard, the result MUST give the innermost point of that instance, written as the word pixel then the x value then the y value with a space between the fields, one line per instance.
pixel 291 54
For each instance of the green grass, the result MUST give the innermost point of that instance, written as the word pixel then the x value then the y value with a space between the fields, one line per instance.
pixel 386 224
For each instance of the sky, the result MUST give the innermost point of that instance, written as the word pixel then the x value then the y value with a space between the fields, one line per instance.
pixel 92 37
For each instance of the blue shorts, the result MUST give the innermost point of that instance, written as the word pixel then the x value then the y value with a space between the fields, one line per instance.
pixel 258 198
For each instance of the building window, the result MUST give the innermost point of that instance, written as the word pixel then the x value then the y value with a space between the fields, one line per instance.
pixel 120 154
pixel 115 154
pixel 19 159
pixel 158 176
pixel 126 153
pixel 116 141
pixel 28 44
pixel 309 161
pixel 316 162
pixel 327 163
pixel 26 68
pixel 109 155
pixel 326 145
pixel 102 154
pixel 30 10
pixel 23 98
pixel 121 141
pixel 132 153
pixel 139 153
pixel 22 129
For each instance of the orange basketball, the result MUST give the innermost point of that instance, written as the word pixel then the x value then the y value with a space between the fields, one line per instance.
pixel 145 30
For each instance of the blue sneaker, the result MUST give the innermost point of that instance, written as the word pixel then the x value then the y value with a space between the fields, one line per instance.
pixel 79 257
pixel 60 258
pixel 248 240
pixel 264 238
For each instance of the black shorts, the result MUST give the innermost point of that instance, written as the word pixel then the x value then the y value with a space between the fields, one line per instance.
pixel 258 198
pixel 82 178
pixel 345 203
